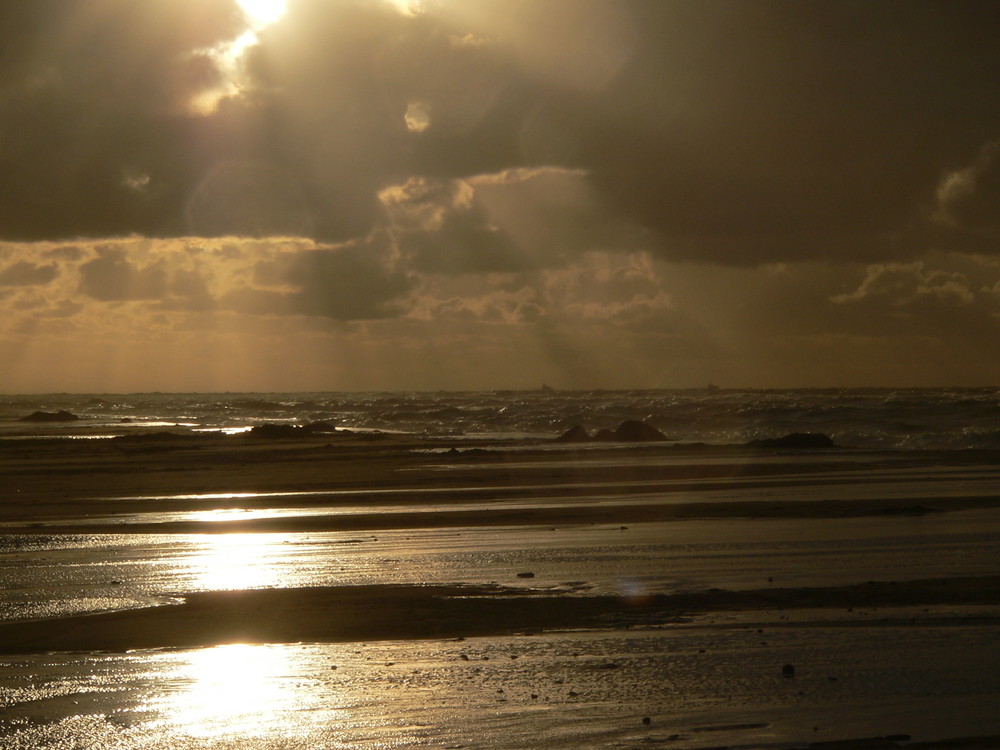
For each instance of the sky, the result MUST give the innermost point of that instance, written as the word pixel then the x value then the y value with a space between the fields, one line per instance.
pixel 282 195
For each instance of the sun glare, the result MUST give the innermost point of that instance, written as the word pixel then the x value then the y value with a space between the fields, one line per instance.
pixel 230 689
pixel 263 12
pixel 228 55
pixel 409 7
pixel 237 561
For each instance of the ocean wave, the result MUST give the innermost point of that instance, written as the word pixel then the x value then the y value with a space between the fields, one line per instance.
pixel 882 419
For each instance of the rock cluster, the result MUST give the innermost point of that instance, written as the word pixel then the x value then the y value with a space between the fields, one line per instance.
pixel 629 431
pixel 272 431
pixel 49 416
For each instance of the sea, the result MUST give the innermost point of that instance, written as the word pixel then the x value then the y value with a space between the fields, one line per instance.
pixel 870 418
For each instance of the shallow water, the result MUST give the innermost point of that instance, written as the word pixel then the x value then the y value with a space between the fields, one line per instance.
pixel 701 687
pixel 63 574
pixel 714 680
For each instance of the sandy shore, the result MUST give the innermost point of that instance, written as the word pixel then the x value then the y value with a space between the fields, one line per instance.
pixel 362 613
pixel 52 482
pixel 168 494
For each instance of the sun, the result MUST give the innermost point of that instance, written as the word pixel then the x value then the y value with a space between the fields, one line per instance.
pixel 262 13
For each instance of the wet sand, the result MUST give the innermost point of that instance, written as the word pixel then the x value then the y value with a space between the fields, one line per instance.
pixel 182 486
pixel 49 483
pixel 359 613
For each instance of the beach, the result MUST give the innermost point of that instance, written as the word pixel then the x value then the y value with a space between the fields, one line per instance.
pixel 484 375
pixel 366 589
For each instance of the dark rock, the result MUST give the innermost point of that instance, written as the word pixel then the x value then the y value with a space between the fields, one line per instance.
pixel 526 574
pixel 49 416
pixel 788 670
pixel 278 431
pixel 639 432
pixel 630 431
pixel 275 431
pixel 575 434
pixel 795 441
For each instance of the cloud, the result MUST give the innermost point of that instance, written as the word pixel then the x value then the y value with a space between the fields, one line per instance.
pixel 613 289
pixel 248 198
pixel 110 276
pixel 140 281
pixel 201 307
pixel 692 185
pixel 622 289
pixel 967 204
pixel 515 220
pixel 511 307
pixel 902 284
pixel 732 133
pixel 357 281
pixel 25 273
pixel 440 228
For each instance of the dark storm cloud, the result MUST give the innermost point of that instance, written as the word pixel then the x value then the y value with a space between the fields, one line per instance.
pixel 90 96
pixel 738 132
pixel 788 130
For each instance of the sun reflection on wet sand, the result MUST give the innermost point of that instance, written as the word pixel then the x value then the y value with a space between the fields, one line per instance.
pixel 232 689
pixel 238 561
